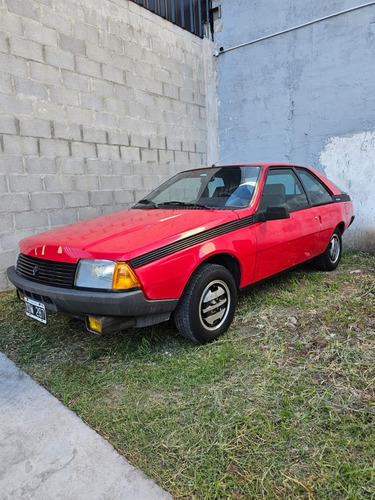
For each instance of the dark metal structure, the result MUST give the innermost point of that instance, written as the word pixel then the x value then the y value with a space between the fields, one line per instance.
pixel 191 15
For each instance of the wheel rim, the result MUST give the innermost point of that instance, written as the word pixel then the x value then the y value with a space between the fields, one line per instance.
pixel 334 249
pixel 214 305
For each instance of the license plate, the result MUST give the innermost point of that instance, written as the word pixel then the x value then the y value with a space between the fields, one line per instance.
pixel 36 310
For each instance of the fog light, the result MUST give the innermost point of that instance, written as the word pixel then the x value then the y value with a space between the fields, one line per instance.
pixel 93 324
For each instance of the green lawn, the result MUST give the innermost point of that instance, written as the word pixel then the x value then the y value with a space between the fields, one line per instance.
pixel 283 406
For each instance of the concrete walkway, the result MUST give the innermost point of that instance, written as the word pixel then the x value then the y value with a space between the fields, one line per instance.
pixel 47 452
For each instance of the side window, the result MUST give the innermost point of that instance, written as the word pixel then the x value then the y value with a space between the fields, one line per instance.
pixel 317 192
pixel 282 187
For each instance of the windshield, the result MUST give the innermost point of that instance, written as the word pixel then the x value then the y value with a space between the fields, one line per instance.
pixel 213 188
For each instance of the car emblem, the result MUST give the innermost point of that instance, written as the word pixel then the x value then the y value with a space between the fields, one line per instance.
pixel 35 271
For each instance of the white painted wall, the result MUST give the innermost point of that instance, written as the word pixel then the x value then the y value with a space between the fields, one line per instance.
pixel 350 161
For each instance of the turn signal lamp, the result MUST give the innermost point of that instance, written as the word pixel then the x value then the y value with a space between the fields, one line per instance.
pixel 124 277
pixel 94 324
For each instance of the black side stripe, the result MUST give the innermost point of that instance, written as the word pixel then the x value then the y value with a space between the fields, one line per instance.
pixel 189 241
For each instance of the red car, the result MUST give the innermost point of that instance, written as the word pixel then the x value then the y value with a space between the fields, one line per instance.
pixel 186 249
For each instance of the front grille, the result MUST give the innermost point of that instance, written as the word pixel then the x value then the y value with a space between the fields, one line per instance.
pixel 47 272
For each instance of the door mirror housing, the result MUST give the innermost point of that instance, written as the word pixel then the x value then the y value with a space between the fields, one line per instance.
pixel 274 213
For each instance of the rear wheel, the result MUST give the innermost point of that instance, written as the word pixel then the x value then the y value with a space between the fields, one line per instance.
pixel 207 305
pixel 330 259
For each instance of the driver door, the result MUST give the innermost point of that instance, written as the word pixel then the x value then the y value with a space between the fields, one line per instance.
pixel 287 242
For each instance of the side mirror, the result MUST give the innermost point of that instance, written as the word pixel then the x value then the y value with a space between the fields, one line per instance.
pixel 273 213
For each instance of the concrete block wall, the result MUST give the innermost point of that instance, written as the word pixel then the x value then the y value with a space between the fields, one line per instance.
pixel 303 96
pixel 100 100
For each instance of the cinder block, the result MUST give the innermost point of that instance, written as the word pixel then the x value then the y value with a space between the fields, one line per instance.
pixel 63 95
pixel 124 197
pixel 158 142
pixel 13 144
pixel 46 201
pixel 182 157
pixel 116 106
pixel 87 183
pixel 138 141
pixel 35 128
pixel 36 32
pixel 6 222
pixel 110 182
pixel 11 163
pixel 69 131
pixel 149 155
pixel 98 167
pixel 93 134
pixel 166 156
pixel 122 61
pixel 102 88
pixel 106 151
pixel 111 41
pixel 26 183
pixel 106 120
pixel 44 73
pixel 26 49
pixel 29 220
pixel 129 153
pixel 40 165
pixel 72 44
pixel 60 183
pixel 13 203
pixel 118 137
pixel 84 31
pixel 148 128
pixel 123 92
pixel 5 84
pixel 13 65
pixel 63 217
pixel 8 125
pixel 78 115
pixel 95 17
pixel 70 165
pixel 112 74
pixel 87 67
pixel 92 102
pixel 75 81
pixel 88 212
pixel 15 105
pixel 83 150
pixel 97 53
pixel 3 183
pixel 31 88
pixel 10 23
pixel 59 58
pixel 54 147
pixel 52 19
pixel 24 8
pixel 76 199
pixel 101 198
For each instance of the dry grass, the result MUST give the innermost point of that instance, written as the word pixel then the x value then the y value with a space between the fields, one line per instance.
pixel 283 406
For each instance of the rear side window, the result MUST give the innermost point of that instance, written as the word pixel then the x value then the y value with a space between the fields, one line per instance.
pixel 319 194
pixel 282 187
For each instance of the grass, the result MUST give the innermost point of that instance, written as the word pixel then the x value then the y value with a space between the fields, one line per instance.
pixel 282 406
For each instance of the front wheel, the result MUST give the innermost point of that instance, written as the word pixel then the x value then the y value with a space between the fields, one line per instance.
pixel 207 305
pixel 330 259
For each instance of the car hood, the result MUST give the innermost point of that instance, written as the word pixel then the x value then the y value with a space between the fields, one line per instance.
pixel 122 235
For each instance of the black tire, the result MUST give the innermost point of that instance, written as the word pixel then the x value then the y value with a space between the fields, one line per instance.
pixel 329 260
pixel 206 308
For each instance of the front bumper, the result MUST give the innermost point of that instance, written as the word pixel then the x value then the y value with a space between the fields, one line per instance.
pixel 130 304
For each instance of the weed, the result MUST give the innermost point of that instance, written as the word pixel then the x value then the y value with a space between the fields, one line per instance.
pixel 282 406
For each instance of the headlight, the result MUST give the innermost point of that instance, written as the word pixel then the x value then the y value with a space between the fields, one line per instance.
pixel 105 274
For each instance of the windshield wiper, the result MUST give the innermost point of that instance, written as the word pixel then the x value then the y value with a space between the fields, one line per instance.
pixel 184 204
pixel 145 201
